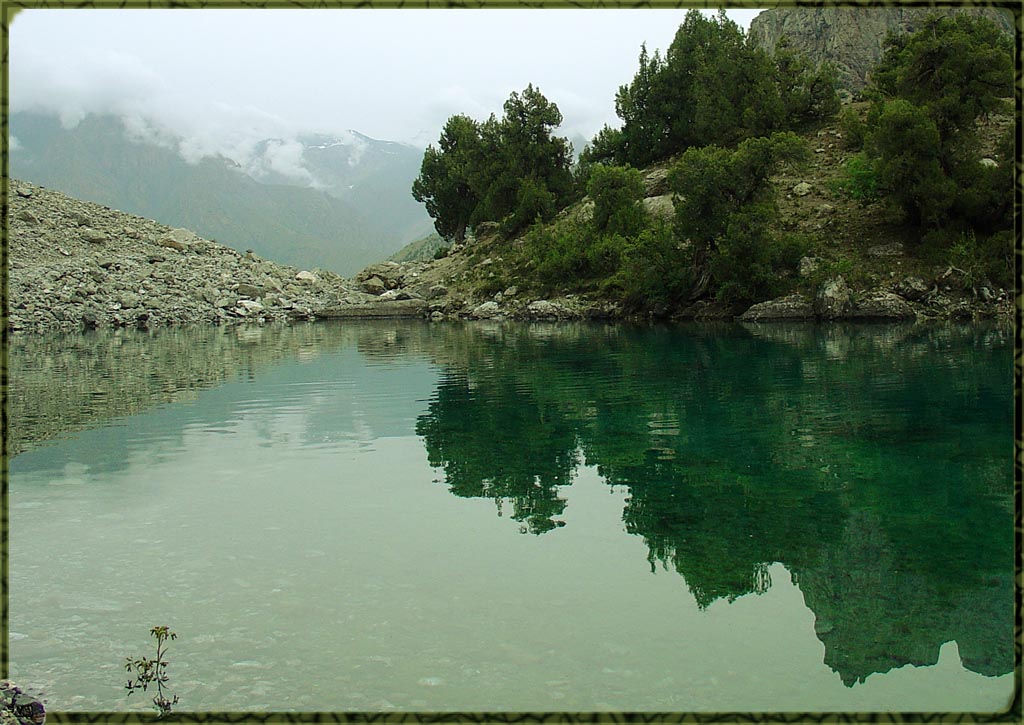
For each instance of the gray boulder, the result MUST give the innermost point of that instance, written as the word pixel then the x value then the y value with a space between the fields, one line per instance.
pixel 833 299
pixel 486 311
pixel 791 307
pixel 78 218
pixel 656 182
pixel 251 306
pixel 808 266
pixel 393 309
pixel 249 290
pixel 374 285
pixel 170 243
pixel 93 236
pixel 660 206
pixel 547 310
pixel 179 239
pixel 390 274
pixel 912 288
pixel 884 306
pixel 893 249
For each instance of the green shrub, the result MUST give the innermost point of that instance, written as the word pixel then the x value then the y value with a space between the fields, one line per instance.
pixel 726 208
pixel 655 269
pixel 751 263
pixel 604 255
pixel 853 128
pixel 558 251
pixel 987 261
pixel 859 180
pixel 617 192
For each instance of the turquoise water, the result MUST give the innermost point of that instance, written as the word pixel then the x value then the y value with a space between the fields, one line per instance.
pixel 508 517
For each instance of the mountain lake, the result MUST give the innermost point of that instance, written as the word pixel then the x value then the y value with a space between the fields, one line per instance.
pixel 507 517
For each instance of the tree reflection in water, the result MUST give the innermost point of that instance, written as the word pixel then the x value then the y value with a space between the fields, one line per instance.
pixel 872 462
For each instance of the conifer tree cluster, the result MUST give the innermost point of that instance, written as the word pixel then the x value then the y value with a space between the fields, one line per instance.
pixel 713 87
pixel 725 111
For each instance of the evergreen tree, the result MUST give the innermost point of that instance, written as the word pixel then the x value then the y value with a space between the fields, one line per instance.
pixel 510 170
pixel 444 184
pixel 641 108
pixel 713 87
pixel 929 91
pixel 956 68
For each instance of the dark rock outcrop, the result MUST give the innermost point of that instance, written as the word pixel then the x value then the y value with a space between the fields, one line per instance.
pixel 19 708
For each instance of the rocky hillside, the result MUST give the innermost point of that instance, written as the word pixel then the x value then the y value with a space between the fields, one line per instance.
pixel 75 264
pixel 849 37
pixel 860 264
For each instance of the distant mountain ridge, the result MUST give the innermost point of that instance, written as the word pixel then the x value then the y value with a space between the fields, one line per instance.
pixel 317 201
pixel 850 37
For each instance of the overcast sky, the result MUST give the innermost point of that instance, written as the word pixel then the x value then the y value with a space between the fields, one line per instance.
pixel 225 78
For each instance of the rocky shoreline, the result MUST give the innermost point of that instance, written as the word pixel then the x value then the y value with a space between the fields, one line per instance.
pixel 76 265
pixel 19 708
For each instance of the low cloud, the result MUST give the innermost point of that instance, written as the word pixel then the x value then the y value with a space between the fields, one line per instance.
pixel 107 82
pixel 99 81
pixel 281 157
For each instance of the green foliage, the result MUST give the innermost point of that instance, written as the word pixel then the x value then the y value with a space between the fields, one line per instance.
pixel 148 672
pixel 929 91
pixel 528 147
pixel 441 252
pixel 807 95
pixel 559 252
pixel 955 68
pixel 510 170
pixel 604 148
pixel 655 270
pixel 713 87
pixel 983 262
pixel 534 204
pixel 617 193
pixel 750 258
pixel 906 148
pixel 853 128
pixel 859 180
pixel 444 184
pixel 726 208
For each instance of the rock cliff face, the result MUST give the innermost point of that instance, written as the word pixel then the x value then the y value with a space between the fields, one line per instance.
pixel 851 38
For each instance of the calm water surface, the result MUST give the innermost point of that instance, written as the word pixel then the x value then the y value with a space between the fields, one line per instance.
pixel 504 517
